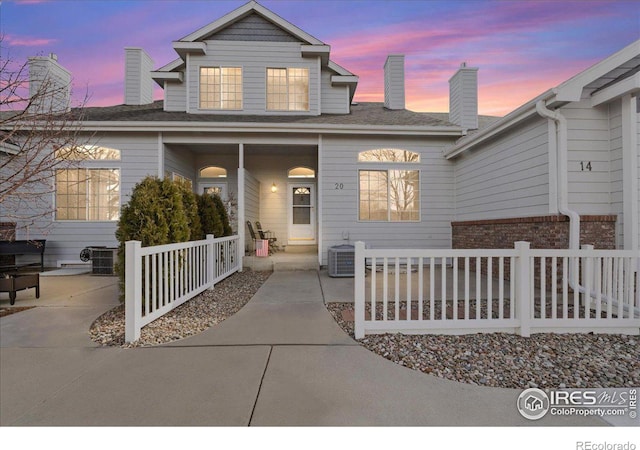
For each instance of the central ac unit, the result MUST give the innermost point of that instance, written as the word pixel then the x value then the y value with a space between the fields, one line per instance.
pixel 341 261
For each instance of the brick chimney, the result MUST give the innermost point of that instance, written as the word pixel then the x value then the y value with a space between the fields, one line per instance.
pixel 463 97
pixel 138 84
pixel 394 82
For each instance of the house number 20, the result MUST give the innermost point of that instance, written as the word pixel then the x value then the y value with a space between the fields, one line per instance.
pixel 339 186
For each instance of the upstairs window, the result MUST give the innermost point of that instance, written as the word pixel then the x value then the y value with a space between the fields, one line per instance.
pixel 288 89
pixel 221 88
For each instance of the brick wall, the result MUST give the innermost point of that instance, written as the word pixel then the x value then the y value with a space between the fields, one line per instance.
pixel 543 232
pixel 7 233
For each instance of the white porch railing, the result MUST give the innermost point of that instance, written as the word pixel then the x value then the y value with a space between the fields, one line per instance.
pixel 516 290
pixel 161 278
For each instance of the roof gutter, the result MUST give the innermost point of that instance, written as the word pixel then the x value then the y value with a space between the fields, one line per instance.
pixel 254 127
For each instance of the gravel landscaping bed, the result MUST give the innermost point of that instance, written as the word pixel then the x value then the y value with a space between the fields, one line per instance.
pixel 543 360
pixel 192 317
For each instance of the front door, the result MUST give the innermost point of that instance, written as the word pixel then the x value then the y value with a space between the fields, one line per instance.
pixel 302 213
pixel 214 188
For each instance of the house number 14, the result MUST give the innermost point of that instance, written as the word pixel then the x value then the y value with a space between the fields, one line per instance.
pixel 585 165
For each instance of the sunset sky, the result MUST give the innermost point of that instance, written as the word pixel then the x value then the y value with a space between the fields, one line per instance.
pixel 521 47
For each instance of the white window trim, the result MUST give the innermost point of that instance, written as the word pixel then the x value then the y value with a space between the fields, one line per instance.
pixel 200 108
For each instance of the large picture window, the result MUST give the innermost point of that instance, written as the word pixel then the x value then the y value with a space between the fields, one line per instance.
pixel 88 194
pixel 392 193
pixel 389 195
pixel 221 88
pixel 288 89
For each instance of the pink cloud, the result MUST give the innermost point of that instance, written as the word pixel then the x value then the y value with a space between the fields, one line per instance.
pixel 27 41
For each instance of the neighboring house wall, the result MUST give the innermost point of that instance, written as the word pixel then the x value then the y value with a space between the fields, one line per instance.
pixel 339 172
pixel 588 141
pixel 505 177
pixel 65 239
pixel 254 58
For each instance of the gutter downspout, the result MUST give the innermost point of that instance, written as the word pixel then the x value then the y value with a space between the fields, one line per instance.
pixel 560 123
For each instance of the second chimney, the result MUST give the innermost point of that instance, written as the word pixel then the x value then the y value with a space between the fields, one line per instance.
pixel 138 84
pixel 49 85
pixel 463 97
pixel 394 82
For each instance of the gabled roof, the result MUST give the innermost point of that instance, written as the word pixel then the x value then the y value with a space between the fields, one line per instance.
pixel 611 78
pixel 243 11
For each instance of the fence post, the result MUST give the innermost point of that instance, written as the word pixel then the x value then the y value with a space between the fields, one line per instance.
pixel 132 290
pixel 211 261
pixel 523 287
pixel 359 290
pixel 586 264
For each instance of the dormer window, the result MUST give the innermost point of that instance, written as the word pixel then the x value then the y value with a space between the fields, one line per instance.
pixel 221 88
pixel 288 89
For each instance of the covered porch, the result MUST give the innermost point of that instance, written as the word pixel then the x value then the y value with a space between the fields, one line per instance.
pixel 271 181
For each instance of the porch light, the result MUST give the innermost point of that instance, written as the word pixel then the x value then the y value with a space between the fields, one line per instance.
pixel 274 188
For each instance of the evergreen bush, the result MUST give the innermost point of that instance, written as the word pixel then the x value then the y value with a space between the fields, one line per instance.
pixel 154 215
pixel 224 217
pixel 209 216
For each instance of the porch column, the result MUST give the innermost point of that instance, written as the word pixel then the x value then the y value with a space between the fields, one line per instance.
pixel 241 219
pixel 630 172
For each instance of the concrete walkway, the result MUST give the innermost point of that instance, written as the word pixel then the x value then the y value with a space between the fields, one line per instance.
pixel 281 360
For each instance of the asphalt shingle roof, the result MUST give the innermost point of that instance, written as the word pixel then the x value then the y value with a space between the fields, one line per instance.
pixel 361 114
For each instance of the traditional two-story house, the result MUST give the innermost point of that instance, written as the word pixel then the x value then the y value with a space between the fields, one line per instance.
pixel 255 110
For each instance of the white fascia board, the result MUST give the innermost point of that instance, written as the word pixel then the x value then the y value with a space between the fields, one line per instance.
pixel 629 85
pixel 337 68
pixel 310 51
pixel 525 111
pixel 245 10
pixel 182 48
pixel 343 79
pixel 571 90
pixel 173 65
pixel 171 76
pixel 273 128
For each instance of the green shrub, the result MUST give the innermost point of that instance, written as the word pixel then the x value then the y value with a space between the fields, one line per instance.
pixel 190 205
pixel 209 216
pixel 154 215
pixel 224 217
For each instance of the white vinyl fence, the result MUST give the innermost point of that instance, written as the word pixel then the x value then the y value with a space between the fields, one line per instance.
pixel 518 290
pixel 160 278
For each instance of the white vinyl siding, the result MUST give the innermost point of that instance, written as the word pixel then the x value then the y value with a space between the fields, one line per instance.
pixel 181 161
pixel 339 195
pixel 254 58
pixel 506 177
pixel 335 99
pixel 175 96
pixel 251 203
pixel 588 141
